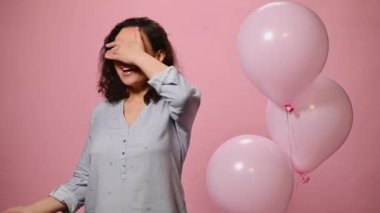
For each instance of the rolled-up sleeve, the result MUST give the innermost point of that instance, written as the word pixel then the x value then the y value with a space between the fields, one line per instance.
pixel 183 99
pixel 72 193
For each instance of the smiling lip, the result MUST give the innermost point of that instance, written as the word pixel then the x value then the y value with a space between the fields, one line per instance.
pixel 127 70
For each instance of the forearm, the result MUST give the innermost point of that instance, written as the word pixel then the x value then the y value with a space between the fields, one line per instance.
pixel 47 205
pixel 149 65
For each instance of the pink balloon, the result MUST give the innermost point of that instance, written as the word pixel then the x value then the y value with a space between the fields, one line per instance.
pixel 316 128
pixel 282 48
pixel 250 173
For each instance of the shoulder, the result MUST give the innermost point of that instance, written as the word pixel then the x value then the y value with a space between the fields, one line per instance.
pixel 103 110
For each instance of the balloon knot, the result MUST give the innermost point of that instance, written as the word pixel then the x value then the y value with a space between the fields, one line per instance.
pixel 304 178
pixel 289 107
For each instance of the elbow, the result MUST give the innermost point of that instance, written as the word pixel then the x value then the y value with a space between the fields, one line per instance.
pixel 190 96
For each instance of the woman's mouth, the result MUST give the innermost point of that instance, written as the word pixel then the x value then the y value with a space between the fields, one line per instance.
pixel 127 70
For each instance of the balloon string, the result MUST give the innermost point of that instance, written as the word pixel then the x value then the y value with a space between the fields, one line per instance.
pixel 292 200
pixel 289 109
pixel 304 177
pixel 291 135
pixel 292 142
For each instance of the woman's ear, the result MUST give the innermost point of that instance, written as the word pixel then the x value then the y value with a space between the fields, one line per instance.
pixel 160 55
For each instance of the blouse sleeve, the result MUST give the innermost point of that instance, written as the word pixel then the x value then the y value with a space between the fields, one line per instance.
pixel 72 193
pixel 183 99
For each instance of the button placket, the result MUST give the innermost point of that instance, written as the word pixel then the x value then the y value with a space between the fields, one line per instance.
pixel 124 160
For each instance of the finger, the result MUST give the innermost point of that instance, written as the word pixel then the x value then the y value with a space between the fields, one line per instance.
pixel 140 39
pixel 111 55
pixel 138 36
pixel 112 44
pixel 114 50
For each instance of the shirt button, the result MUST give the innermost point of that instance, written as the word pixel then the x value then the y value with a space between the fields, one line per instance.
pixel 123 153
pixel 124 140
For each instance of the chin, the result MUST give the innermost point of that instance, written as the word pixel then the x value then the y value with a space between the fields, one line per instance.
pixel 133 83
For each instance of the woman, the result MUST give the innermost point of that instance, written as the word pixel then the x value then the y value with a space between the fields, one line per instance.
pixel 139 136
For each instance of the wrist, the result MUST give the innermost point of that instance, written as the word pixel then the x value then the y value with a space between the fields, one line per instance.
pixel 140 58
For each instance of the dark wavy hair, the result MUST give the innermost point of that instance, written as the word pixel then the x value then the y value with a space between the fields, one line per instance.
pixel 110 85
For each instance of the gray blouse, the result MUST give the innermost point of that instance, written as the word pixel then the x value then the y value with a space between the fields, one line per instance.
pixel 136 169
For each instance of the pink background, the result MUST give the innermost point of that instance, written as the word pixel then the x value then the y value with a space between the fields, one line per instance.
pixel 48 74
